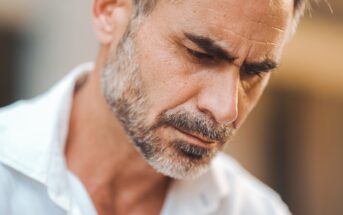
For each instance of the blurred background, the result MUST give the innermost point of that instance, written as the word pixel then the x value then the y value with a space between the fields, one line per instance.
pixel 293 141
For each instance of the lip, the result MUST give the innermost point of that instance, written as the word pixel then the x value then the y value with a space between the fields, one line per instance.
pixel 196 137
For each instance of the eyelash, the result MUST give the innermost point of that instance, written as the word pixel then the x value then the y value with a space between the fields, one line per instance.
pixel 200 55
pixel 252 73
pixel 258 73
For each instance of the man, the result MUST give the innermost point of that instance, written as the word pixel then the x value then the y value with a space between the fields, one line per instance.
pixel 139 131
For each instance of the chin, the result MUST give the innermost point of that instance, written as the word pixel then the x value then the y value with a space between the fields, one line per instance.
pixel 182 160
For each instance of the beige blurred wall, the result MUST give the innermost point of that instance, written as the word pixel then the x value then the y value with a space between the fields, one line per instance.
pixel 59 36
pixel 313 59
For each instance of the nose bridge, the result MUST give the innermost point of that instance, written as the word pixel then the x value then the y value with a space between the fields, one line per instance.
pixel 219 96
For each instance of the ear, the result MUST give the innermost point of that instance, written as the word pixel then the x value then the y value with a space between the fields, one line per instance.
pixel 111 19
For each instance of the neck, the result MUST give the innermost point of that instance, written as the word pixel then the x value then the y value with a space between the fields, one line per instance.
pixel 100 153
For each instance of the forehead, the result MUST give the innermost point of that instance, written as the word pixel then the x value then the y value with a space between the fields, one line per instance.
pixel 234 23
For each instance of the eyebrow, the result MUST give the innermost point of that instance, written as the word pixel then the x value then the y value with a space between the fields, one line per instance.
pixel 210 46
pixel 215 50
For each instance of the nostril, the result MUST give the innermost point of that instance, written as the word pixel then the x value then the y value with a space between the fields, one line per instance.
pixel 208 114
pixel 220 114
pixel 228 117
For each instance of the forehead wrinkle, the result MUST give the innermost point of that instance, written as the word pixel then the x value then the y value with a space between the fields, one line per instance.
pixel 248 19
pixel 260 22
pixel 274 10
pixel 244 37
pixel 279 29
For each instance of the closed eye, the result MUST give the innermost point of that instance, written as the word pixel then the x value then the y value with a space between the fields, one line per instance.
pixel 201 56
pixel 258 68
pixel 258 73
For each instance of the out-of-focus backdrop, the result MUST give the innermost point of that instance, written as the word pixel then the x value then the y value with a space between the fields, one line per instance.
pixel 293 141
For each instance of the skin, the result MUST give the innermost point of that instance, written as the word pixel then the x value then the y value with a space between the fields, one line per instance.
pixel 98 149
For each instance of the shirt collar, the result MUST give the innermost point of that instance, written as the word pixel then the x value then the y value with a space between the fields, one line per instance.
pixel 57 178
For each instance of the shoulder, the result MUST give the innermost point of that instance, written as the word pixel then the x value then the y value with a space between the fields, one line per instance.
pixel 247 194
pixel 11 111
pixel 25 135
pixel 16 114
pixel 6 179
pixel 11 119
pixel 16 121
pixel 19 193
pixel 6 186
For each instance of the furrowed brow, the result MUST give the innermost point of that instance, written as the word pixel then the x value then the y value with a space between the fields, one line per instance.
pixel 265 66
pixel 210 47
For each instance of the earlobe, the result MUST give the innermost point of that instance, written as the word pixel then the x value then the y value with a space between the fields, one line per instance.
pixel 110 19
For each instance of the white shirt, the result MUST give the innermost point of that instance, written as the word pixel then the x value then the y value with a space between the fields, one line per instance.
pixel 34 179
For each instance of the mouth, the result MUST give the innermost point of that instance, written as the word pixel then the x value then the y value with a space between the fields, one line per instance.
pixel 197 139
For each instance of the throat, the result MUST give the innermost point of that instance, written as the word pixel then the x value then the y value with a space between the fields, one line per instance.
pixel 143 198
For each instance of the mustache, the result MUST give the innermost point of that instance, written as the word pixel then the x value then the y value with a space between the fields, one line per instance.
pixel 199 125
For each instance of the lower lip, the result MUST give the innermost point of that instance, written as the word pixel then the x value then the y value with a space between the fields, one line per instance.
pixel 195 141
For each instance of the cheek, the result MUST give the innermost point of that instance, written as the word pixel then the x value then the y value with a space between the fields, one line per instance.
pixel 165 78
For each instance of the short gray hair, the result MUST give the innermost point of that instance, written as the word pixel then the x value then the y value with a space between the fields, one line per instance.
pixel 299 8
pixel 146 6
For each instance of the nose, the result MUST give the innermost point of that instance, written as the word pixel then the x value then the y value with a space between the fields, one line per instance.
pixel 219 97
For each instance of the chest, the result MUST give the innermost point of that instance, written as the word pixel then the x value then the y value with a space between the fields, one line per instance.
pixel 147 205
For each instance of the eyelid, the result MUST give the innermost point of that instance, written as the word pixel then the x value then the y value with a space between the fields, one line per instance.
pixel 257 69
pixel 196 53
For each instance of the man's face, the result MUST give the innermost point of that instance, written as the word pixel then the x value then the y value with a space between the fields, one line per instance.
pixel 186 77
